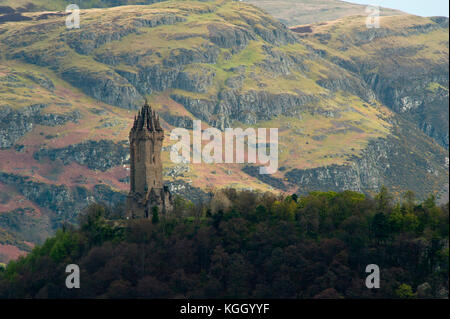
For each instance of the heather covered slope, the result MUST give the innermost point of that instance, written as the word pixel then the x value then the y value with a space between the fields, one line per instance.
pixel 68 97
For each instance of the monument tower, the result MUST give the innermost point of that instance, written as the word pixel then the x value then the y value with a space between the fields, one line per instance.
pixel 147 189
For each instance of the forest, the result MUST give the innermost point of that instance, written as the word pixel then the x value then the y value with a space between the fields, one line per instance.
pixel 244 244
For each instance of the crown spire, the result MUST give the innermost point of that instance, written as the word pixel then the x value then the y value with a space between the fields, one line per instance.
pixel 147 119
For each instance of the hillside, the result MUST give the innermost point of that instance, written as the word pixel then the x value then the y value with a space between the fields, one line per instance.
pixel 68 98
pixel 60 5
pixel 290 12
pixel 298 12
pixel 405 63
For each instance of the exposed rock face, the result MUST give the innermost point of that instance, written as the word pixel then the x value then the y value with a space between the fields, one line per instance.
pixel 104 194
pixel 349 84
pixel 333 177
pixel 410 92
pixel 281 63
pixel 206 53
pixel 16 123
pixel 178 121
pixel 385 161
pixel 247 107
pixel 197 80
pixel 109 88
pixel 151 78
pixel 236 37
pixel 64 201
pixel 101 155
pixel 367 173
pixel 159 77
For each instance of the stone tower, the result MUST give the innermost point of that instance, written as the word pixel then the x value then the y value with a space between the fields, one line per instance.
pixel 147 189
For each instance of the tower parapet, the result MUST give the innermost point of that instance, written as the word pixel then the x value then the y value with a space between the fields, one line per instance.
pixel 147 188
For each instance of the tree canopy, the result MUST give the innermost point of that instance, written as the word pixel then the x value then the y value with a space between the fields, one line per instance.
pixel 246 245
